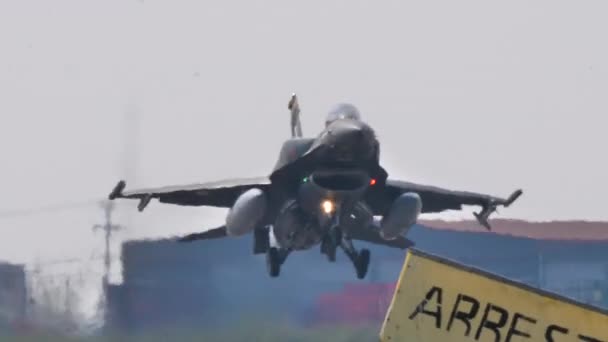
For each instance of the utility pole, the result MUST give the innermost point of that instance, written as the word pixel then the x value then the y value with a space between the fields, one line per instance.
pixel 130 127
pixel 108 227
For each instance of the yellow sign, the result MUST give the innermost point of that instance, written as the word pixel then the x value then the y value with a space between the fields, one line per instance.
pixel 437 300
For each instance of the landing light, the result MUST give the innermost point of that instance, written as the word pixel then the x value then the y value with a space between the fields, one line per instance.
pixel 328 206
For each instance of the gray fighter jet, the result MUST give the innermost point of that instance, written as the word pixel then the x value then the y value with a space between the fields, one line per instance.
pixel 326 190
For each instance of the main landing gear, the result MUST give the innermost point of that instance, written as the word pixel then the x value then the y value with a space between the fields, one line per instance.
pixel 275 257
pixel 335 239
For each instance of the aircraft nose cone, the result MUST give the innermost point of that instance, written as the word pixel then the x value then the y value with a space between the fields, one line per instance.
pixel 350 141
pixel 350 131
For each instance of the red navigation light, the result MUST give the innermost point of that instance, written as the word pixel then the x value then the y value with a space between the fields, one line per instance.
pixel 372 181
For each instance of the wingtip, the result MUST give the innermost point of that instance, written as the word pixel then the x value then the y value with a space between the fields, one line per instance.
pixel 514 196
pixel 118 189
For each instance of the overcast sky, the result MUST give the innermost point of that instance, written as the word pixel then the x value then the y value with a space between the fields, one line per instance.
pixel 473 95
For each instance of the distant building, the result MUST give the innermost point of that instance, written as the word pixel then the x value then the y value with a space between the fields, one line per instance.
pixel 13 296
pixel 219 281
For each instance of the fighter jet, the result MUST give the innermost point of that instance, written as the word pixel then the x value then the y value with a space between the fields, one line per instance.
pixel 323 191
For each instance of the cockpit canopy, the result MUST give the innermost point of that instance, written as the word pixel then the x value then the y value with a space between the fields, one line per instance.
pixel 342 111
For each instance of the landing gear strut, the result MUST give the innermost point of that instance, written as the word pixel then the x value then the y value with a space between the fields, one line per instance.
pixel 359 259
pixel 330 243
pixel 275 257
pixel 261 240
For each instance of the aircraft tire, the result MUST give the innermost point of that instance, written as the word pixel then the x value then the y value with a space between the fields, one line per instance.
pixel 334 241
pixel 362 263
pixel 273 262
pixel 328 249
pixel 331 254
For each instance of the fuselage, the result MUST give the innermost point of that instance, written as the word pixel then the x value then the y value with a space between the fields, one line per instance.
pixel 318 184
pixel 331 191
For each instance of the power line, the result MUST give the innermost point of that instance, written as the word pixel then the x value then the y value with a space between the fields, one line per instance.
pixel 46 209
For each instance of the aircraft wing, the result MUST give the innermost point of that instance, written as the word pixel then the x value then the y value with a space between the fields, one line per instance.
pixel 435 199
pixel 221 194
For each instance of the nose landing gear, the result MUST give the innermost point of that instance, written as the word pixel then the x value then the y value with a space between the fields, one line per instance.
pixel 330 243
